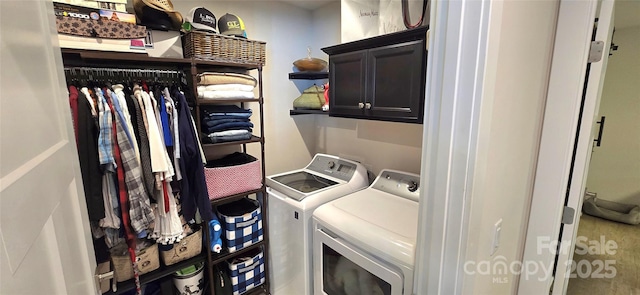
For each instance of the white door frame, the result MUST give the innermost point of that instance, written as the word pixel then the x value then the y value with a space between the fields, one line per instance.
pixel 561 124
pixel 454 91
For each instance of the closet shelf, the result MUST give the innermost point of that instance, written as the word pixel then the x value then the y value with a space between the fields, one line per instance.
pixel 231 198
pixel 226 101
pixel 80 56
pixel 217 258
pixel 307 112
pixel 254 138
pixel 258 291
pixel 162 272
pixel 308 75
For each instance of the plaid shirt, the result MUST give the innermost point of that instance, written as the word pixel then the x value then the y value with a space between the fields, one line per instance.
pixel 105 142
pixel 140 211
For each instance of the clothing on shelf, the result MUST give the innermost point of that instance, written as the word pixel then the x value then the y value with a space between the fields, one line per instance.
pixel 221 86
pixel 225 123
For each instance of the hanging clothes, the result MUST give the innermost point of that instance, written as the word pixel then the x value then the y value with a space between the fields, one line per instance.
pixel 88 157
pixel 194 187
pixel 139 205
pixel 145 153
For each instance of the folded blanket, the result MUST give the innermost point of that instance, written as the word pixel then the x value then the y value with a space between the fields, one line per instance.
pixel 230 138
pixel 209 122
pixel 229 132
pixel 222 109
pixel 227 138
pixel 225 87
pixel 210 78
pixel 229 126
pixel 226 94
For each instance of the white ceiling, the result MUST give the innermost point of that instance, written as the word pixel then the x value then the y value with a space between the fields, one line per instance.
pixel 627 13
pixel 309 4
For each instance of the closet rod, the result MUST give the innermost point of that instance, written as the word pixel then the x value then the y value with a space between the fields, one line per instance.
pixel 119 71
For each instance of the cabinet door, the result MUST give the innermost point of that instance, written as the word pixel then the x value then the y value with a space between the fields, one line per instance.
pixel 347 84
pixel 396 78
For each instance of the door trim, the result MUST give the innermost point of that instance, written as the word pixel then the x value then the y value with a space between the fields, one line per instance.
pixel 566 82
pixel 456 71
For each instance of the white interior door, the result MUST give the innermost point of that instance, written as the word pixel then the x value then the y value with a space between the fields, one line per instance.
pixel 44 234
pixel 586 133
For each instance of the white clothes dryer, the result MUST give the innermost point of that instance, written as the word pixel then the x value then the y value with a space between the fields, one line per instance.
pixel 364 243
pixel 292 198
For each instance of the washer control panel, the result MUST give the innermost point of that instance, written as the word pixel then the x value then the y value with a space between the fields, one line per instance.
pixel 402 184
pixel 334 166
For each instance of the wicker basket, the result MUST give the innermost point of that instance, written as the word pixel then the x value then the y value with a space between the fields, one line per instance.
pixel 216 47
pixel 147 261
pixel 188 247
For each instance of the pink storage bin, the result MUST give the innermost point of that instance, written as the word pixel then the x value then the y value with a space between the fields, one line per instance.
pixel 231 180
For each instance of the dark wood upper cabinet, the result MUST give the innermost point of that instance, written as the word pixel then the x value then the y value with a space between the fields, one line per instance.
pixel 380 78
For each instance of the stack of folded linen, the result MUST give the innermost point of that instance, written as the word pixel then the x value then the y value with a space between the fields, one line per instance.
pixel 225 123
pixel 225 86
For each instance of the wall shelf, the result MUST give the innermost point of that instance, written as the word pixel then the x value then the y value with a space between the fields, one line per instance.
pixel 307 112
pixel 308 75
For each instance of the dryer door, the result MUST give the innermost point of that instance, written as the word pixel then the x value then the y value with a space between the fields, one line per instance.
pixel 341 269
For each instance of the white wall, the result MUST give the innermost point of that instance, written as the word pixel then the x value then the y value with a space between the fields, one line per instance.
pixel 614 172
pixel 517 72
pixel 290 142
pixel 377 144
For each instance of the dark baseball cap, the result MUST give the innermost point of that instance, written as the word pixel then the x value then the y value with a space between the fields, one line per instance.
pixel 202 19
pixel 231 24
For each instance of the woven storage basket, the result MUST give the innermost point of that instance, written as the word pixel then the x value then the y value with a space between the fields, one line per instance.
pixel 147 261
pixel 223 48
pixel 188 247
pixel 231 180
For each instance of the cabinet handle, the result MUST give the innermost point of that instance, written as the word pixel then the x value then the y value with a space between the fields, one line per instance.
pixel 361 105
pixel 367 106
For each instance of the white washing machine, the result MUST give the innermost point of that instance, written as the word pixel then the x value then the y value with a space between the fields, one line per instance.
pixel 292 198
pixel 364 243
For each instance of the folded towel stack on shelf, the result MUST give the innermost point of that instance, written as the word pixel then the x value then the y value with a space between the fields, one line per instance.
pixel 224 123
pixel 223 86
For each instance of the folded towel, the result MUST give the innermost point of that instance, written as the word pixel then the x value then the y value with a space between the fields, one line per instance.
pixel 210 78
pixel 225 87
pixel 226 94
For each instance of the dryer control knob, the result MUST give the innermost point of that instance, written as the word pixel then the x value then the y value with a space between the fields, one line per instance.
pixel 331 164
pixel 412 186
